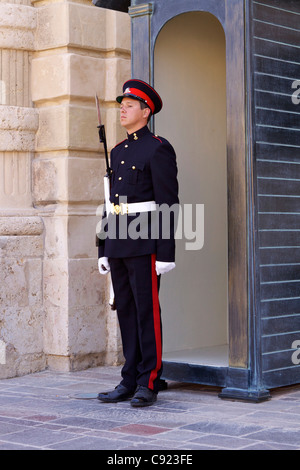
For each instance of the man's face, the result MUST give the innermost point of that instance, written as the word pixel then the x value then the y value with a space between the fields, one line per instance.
pixel 132 117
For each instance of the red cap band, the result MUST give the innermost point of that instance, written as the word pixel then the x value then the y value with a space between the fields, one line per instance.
pixel 140 94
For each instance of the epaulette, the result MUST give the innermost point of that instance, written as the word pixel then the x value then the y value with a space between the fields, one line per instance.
pixel 117 145
pixel 157 138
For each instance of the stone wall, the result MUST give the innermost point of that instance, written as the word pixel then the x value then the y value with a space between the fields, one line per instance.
pixel 53 303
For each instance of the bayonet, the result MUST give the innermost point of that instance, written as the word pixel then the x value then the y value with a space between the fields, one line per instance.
pixel 102 137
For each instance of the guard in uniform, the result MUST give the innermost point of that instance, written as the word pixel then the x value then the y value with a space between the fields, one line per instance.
pixel 144 175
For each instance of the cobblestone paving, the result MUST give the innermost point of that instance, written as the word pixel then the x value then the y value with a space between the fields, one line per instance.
pixel 42 411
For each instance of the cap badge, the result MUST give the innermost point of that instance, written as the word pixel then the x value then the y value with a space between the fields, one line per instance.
pixel 127 90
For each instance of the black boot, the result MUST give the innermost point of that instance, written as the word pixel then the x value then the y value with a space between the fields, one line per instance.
pixel 143 397
pixel 120 393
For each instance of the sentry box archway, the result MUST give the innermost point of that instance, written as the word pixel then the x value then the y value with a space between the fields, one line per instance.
pixel 229 74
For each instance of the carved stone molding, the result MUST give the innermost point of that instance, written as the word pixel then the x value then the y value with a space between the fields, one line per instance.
pixel 18 127
pixel 13 226
pixel 17 26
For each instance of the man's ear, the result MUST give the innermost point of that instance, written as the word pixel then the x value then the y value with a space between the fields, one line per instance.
pixel 146 113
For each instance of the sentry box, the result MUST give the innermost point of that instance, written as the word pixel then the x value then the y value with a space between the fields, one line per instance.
pixel 229 75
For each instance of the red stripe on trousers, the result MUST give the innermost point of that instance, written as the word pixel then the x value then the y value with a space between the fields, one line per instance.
pixel 157 325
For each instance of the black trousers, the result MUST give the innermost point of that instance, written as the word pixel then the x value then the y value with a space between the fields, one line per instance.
pixel 136 287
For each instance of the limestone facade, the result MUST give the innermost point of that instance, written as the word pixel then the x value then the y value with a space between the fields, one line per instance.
pixel 54 57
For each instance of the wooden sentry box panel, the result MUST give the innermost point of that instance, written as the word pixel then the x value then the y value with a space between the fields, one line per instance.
pixel 275 53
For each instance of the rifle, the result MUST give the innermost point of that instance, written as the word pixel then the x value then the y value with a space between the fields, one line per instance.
pixel 102 138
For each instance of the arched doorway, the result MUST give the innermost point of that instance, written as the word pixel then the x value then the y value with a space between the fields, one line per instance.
pixel 190 74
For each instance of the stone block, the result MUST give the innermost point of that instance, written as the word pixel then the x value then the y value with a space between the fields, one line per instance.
pixel 87 27
pixel 22 328
pixel 82 235
pixel 85 284
pixel 67 127
pixel 83 123
pixel 70 179
pixel 118 25
pixel 21 309
pixel 21 226
pixel 65 75
pixel 87 76
pixel 16 140
pixel 87 327
pixel 17 365
pixel 85 178
pixel 17 16
pixel 83 26
pixel 53 129
pixel 13 284
pixel 50 179
pixel 70 24
pixel 18 118
pixel 50 77
pixel 21 247
pixel 17 26
pixel 52 26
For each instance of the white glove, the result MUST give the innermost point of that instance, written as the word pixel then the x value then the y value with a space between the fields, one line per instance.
pixel 163 267
pixel 103 265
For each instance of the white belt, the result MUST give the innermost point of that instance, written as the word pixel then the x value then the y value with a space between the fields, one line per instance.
pixel 133 208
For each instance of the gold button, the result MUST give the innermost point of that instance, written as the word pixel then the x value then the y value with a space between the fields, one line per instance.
pixel 126 146
pixel 122 162
pixel 133 167
pixel 120 178
pixel 116 195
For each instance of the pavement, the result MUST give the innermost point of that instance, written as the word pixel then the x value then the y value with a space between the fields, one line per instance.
pixel 46 411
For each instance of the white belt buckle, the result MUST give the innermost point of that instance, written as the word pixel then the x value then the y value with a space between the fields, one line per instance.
pixel 119 209
pixel 125 208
